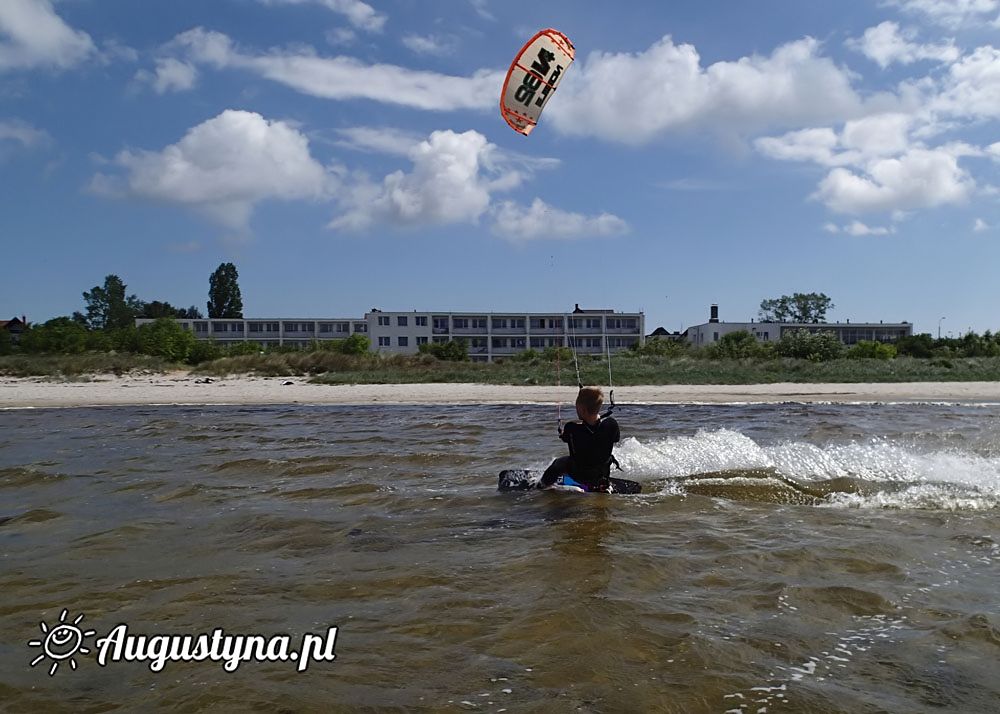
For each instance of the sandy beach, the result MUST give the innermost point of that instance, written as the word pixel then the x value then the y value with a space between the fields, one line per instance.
pixel 181 388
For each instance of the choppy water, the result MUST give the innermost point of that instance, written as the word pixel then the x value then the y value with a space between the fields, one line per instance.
pixel 784 558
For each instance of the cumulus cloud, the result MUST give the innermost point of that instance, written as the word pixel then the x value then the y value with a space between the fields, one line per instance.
pixel 859 141
pixel 23 133
pixel 222 168
pixel 950 13
pixel 980 226
pixel 887 43
pixel 381 140
pixel 541 221
pixel 346 77
pixel 359 14
pixel 32 36
pixel 170 75
pixel 920 178
pixel 451 182
pixel 454 180
pixel 633 98
pixel 972 87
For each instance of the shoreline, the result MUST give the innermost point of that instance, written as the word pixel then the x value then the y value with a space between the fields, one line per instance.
pixel 182 389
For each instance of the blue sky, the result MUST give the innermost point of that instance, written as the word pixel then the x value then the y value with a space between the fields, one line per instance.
pixel 348 155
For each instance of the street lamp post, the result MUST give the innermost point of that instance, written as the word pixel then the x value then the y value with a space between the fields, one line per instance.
pixel 939 327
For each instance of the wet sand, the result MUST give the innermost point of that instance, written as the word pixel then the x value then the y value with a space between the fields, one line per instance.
pixel 181 388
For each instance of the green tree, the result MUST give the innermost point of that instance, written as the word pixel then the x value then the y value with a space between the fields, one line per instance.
pixel 224 298
pixel 915 346
pixel 108 307
pixel 799 307
pixel 58 335
pixel 192 313
pixel 165 338
pixel 157 309
pixel 803 344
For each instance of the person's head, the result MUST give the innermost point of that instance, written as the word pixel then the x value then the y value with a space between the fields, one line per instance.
pixel 589 402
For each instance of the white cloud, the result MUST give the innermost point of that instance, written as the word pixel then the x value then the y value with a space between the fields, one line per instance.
pixel 346 77
pixel 430 44
pixel 857 228
pixel 22 132
pixel 633 98
pixel 886 44
pixel 222 168
pixel 361 15
pixel 451 182
pixel 950 13
pixel 32 35
pixel 541 221
pixel 818 145
pixel 972 86
pixel 831 228
pixel 920 178
pixel 980 226
pixel 171 75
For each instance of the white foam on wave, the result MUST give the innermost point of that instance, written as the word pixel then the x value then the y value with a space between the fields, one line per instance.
pixel 945 479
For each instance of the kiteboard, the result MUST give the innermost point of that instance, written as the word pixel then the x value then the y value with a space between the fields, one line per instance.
pixel 522 480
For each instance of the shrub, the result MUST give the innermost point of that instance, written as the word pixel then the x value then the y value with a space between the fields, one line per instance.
pixel 204 351
pixel 813 346
pixel 736 345
pixel 658 347
pixel 453 351
pixel 562 354
pixel 869 349
pixel 356 344
pixel 921 346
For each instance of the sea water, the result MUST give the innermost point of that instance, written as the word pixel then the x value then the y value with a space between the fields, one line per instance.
pixel 798 558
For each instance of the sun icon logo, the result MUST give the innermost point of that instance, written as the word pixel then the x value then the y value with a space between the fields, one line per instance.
pixel 61 642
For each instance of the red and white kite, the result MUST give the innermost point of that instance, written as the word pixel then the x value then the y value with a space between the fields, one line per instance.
pixel 533 77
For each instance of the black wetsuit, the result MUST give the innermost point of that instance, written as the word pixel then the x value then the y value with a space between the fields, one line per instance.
pixel 590 459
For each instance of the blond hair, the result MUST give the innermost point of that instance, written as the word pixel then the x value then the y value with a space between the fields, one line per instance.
pixel 590 399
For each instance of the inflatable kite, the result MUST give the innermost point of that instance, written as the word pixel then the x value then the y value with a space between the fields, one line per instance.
pixel 533 77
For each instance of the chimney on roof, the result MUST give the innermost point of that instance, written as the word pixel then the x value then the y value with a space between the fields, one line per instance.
pixel 714 314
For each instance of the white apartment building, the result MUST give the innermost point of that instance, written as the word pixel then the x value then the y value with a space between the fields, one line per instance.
pixel 849 333
pixel 488 334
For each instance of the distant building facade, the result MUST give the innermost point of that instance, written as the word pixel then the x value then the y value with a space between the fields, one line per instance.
pixel 489 335
pixel 849 333
pixel 14 327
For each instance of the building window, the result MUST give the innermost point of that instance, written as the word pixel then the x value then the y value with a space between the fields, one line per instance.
pixel 361 327
pixel 404 341
pixel 421 340
pixel 325 327
pixel 479 323
pixel 420 321
pixel 517 323
pixel 593 323
pixel 401 321
pixel 201 327
pixel 461 323
pixel 383 342
pixel 440 340
pixel 715 336
pixel 499 323
pixel 441 323
pixel 383 320
pixel 220 327
pixel 255 327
